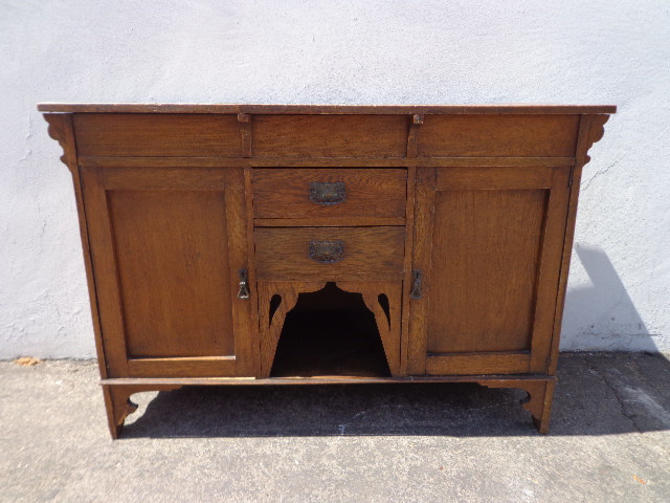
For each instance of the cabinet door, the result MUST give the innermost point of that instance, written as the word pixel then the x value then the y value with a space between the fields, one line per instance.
pixel 167 245
pixel 488 244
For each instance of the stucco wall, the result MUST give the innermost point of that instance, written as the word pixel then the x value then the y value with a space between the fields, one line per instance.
pixel 374 52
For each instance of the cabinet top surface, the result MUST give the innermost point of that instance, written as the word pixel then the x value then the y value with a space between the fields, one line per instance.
pixel 325 109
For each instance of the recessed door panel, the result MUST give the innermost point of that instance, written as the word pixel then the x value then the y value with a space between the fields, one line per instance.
pixel 485 253
pixel 172 258
pixel 167 246
pixel 488 244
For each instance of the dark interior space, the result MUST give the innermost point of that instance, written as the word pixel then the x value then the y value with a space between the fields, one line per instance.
pixel 329 332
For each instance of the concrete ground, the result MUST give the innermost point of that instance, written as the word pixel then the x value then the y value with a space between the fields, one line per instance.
pixel 610 440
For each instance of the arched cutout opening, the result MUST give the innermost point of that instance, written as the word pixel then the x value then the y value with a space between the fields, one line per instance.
pixel 384 303
pixel 330 332
pixel 274 305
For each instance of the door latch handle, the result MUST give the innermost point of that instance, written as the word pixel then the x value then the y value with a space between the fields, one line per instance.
pixel 243 292
pixel 415 292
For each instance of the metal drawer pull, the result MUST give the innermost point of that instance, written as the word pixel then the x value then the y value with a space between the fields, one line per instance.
pixel 327 193
pixel 326 252
pixel 415 292
pixel 243 293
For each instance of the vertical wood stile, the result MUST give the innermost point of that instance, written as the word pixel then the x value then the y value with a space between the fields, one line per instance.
pixel 413 136
pixel 246 138
pixel 251 269
pixel 238 256
pixel 424 209
pixel 104 265
pixel 63 131
pixel 547 275
pixel 412 153
pixel 590 131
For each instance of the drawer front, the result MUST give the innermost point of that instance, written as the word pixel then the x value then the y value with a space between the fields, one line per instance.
pixel 330 253
pixel 499 135
pixel 314 193
pixel 314 135
pixel 186 135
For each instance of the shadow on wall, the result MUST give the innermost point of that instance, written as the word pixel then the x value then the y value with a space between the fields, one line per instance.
pixel 602 316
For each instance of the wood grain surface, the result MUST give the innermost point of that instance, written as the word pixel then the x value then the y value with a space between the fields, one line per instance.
pixel 285 193
pixel 370 253
pixel 159 135
pixel 330 135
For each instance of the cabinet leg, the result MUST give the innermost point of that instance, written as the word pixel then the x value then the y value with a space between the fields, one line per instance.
pixel 119 406
pixel 538 402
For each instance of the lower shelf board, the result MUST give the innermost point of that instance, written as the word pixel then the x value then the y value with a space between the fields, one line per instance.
pixel 325 379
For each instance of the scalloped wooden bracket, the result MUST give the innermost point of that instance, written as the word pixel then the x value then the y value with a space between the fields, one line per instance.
pixel 119 405
pixel 388 325
pixel 538 401
pixel 272 325
pixel 60 129
pixel 591 130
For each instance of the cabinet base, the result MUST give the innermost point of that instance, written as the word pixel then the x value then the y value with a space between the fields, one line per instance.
pixel 118 403
pixel 117 391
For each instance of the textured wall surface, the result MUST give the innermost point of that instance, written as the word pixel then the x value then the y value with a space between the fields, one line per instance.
pixel 332 52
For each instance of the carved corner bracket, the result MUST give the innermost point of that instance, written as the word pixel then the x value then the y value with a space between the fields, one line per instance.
pixel 60 129
pixel 591 131
pixel 538 400
pixel 273 323
pixel 122 406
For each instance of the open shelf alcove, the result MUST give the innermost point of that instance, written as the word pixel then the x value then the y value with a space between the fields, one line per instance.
pixel 329 328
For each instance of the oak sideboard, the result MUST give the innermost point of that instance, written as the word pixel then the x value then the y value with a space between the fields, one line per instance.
pixel 254 244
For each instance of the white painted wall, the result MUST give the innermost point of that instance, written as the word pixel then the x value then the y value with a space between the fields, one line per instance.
pixel 330 52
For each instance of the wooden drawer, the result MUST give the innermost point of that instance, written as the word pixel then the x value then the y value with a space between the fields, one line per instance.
pixel 499 135
pixel 330 135
pixel 187 135
pixel 330 193
pixel 330 253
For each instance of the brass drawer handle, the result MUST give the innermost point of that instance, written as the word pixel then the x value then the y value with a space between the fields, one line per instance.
pixel 326 252
pixel 327 193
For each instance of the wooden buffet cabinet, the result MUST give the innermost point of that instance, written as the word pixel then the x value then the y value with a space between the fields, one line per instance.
pixel 317 244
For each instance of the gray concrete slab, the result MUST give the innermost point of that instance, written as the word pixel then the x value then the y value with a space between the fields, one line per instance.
pixel 610 440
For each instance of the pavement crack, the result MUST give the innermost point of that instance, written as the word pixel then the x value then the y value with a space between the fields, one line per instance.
pixel 619 399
